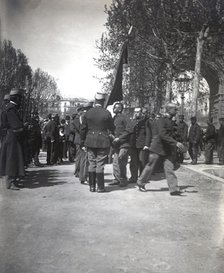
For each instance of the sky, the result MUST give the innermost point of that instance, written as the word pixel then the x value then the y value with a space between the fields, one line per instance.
pixel 59 37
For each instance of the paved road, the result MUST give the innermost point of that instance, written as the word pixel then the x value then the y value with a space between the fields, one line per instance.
pixel 55 225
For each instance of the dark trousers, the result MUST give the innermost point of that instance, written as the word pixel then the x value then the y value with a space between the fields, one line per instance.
pixel 193 151
pixel 221 153
pixel 81 164
pixel 209 148
pixel 97 158
pixel 138 162
pixel 168 169
pixel 52 151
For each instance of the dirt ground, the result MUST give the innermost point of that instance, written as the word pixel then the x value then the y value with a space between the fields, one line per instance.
pixel 56 225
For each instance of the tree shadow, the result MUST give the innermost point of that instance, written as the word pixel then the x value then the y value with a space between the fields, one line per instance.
pixel 42 178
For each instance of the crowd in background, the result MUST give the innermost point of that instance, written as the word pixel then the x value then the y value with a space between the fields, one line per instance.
pixel 91 137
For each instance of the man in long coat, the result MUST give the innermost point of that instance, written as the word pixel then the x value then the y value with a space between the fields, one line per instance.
pixel 95 136
pixel 11 153
pixel 220 141
pixel 163 145
pixel 120 145
pixel 194 137
pixel 210 140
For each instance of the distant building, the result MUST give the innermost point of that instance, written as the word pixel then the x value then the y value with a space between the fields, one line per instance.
pixel 64 106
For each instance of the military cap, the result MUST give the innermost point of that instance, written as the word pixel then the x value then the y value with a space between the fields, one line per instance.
pixel 16 91
pixel 6 97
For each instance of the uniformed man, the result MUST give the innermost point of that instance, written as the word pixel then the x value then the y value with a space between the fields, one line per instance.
pixel 120 145
pixel 194 138
pixel 163 145
pixel 220 141
pixel 11 153
pixel 210 140
pixel 95 130
pixel 6 100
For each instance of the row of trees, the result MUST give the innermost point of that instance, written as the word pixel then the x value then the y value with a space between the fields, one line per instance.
pixel 15 71
pixel 168 36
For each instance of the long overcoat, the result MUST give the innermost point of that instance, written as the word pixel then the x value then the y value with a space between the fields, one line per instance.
pixel 163 142
pixel 11 153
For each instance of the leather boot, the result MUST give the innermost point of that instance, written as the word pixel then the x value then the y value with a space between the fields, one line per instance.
pixel 100 182
pixel 92 181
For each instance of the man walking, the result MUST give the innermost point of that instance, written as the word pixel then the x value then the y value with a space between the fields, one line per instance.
pixel 163 145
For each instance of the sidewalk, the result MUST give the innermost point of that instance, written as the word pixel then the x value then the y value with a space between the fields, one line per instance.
pixel 213 171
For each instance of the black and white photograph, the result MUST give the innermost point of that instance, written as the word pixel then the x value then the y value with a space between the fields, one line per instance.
pixel 111 136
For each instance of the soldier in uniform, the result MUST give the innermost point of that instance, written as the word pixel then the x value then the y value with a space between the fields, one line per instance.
pixel 220 141
pixel 210 140
pixel 163 145
pixel 95 136
pixel 11 153
pixel 120 145
pixel 194 138
pixel 6 100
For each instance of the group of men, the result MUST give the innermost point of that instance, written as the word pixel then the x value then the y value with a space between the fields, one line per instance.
pixel 149 141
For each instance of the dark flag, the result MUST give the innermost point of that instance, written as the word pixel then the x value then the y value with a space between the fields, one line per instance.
pixel 116 92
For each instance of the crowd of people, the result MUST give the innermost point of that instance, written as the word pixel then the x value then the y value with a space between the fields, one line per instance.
pixel 92 137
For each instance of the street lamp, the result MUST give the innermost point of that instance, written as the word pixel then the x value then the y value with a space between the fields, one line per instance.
pixel 183 80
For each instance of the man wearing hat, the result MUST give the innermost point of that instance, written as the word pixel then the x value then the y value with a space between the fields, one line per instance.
pixel 194 137
pixel 163 146
pixel 11 153
pixel 182 131
pixel 220 141
pixel 6 100
pixel 210 140
pixel 95 129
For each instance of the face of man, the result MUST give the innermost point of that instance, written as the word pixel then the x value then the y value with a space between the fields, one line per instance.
pixel 137 113
pixel 117 108
pixel 172 111
pixel 193 121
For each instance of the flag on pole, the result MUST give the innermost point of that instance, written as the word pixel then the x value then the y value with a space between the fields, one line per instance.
pixel 116 92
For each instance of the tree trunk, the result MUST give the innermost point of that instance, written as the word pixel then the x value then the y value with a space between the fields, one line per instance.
pixel 169 83
pixel 197 71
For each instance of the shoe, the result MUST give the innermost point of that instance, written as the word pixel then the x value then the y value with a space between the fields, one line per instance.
pixel 100 190
pixel 123 185
pixel 177 193
pixel 14 187
pixel 132 181
pixel 193 163
pixel 141 187
pixel 114 183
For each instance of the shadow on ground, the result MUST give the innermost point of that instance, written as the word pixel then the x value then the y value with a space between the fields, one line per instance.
pixel 42 178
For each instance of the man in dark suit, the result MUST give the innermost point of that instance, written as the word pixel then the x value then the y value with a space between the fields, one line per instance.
pixel 95 130
pixel 163 145
pixel 194 137
pixel 220 141
pixel 210 140
pixel 140 139
pixel 120 146
pixel 11 153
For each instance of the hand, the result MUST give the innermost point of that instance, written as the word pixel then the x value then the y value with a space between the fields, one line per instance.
pixel 145 148
pixel 180 146
pixel 84 149
pixel 116 140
